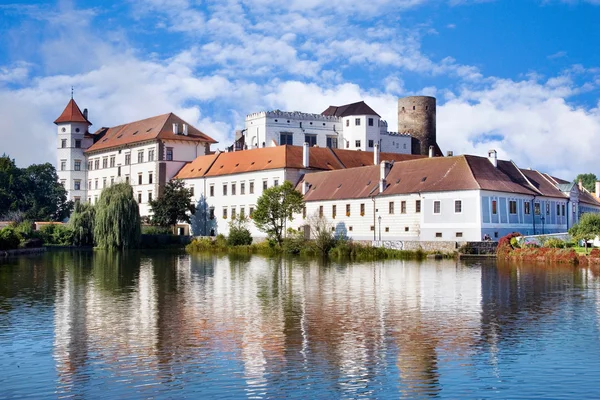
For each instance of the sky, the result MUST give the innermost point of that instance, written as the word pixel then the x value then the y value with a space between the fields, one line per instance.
pixel 518 76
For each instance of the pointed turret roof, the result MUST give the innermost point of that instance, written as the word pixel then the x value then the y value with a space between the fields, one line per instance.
pixel 72 113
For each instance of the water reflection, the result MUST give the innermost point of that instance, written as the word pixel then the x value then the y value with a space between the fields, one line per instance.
pixel 144 325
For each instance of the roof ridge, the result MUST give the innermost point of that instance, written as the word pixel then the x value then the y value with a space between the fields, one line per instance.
pixel 527 179
pixel 548 180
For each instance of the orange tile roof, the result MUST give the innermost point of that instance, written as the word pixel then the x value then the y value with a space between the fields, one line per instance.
pixel 159 127
pixel 198 167
pixel 72 113
pixel 353 158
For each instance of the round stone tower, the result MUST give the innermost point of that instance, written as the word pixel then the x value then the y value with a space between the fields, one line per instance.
pixel 416 115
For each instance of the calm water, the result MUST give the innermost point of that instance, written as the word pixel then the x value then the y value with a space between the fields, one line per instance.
pixel 99 325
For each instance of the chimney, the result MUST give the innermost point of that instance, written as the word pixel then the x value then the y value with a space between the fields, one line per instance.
pixel 430 151
pixel 598 189
pixel 376 154
pixel 305 187
pixel 85 113
pixel 449 153
pixel 384 170
pixel 305 155
pixel 580 184
pixel 493 157
pixel 176 128
pixel 185 129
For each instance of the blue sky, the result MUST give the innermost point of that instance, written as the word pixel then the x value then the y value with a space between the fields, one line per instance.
pixel 522 77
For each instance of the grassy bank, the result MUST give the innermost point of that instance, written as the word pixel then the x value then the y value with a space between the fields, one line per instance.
pixel 341 249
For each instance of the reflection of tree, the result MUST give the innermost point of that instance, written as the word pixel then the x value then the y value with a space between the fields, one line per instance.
pixel 200 222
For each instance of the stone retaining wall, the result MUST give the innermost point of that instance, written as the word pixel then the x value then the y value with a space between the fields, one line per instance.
pixel 441 246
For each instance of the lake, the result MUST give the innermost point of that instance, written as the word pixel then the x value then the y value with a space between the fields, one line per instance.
pixel 170 325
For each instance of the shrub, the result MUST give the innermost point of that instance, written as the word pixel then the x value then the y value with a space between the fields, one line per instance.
pixel 82 224
pixel 239 235
pixel 504 244
pixel 33 243
pixel 514 242
pixel 220 242
pixel 9 239
pixel 156 230
pixel 554 243
pixel 25 229
pixel 466 249
pixel 57 234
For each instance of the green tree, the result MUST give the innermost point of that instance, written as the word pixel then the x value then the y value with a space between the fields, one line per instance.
pixel 82 224
pixel 276 205
pixel 239 235
pixel 10 188
pixel 588 180
pixel 117 222
pixel 45 199
pixel 173 205
pixel 587 228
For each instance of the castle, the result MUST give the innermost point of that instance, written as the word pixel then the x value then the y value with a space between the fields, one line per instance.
pixel 371 184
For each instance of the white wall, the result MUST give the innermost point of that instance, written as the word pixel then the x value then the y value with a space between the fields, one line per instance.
pixel 70 132
pixel 396 143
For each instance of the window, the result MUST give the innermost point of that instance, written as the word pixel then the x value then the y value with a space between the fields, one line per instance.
pixel 211 190
pixel 169 154
pixel 140 156
pixel 192 191
pixel 563 210
pixel 151 155
pixel 126 178
pixel 77 144
pixel 321 211
pixel 357 143
pixel 494 207
pixel 265 184
pixel 437 207
pixel 251 188
pixel 224 189
pixel 347 144
pixel 105 162
pixel 242 213
pixel 370 121
pixel 250 212
pixel 348 122
pixel 558 209
pixel 63 143
pixel 63 182
pixel 95 199
pixel 63 165
pixel 311 140
pixel 139 197
pixel 97 163
pixel 459 234
pixel 77 199
pixel 372 227
pixel 112 180
pixel 333 211
pixel 536 209
pixel 275 182
pixel 350 228
pixel 103 182
pixel 438 234
pixel 90 165
pixel 370 143
pixel 233 191
pixel 233 212
pixel 211 213
pixel 242 188
pixel 527 207
pixel 77 165
pixel 119 170
pixel 332 142
pixel 224 212
pixel 403 207
pixel 457 206
pixel 286 138
pixel 149 197
pixel 357 121
pixel 387 228
pixel 139 179
pixel 547 208
pixel 149 177
pixel 406 229
pixel 347 210
pixel 77 185
pixel 90 184
pixel 127 159
pixel 362 209
pixel 512 206
pixel 417 206
pixel 391 207
pixel 112 162
pixel 96 184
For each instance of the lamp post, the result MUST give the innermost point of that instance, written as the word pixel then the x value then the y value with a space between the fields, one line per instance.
pixel 379 218
pixel 542 224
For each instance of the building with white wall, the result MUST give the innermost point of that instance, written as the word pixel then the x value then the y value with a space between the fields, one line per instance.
pixel 353 126
pixel 145 153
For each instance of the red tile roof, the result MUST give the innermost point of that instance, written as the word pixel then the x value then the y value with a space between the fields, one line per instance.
pixel 72 113
pixel 351 183
pixel 197 168
pixel 359 108
pixel 353 158
pixel 159 127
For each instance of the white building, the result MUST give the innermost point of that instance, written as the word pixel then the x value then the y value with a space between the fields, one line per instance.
pixel 353 126
pixel 145 153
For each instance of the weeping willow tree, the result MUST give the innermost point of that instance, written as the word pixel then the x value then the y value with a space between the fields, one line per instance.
pixel 117 221
pixel 82 223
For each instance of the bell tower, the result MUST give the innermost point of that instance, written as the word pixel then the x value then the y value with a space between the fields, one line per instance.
pixel 72 140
